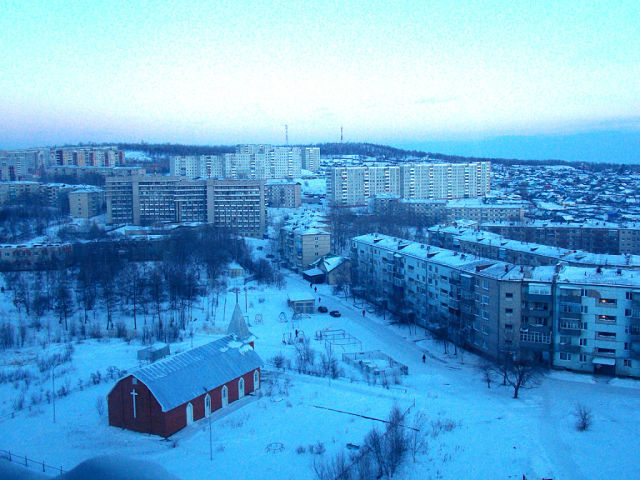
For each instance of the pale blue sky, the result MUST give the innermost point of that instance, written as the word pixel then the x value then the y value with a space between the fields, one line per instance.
pixel 390 72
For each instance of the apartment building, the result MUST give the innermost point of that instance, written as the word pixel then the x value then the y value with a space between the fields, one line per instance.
pixel 302 244
pixel 22 164
pixel 86 202
pixel 283 194
pixel 445 180
pixel 598 326
pixel 491 245
pixel 86 173
pixel 197 166
pixel 109 156
pixel 239 205
pixel 578 318
pixel 596 237
pixel 474 209
pixel 311 158
pixel 145 200
pixel 353 186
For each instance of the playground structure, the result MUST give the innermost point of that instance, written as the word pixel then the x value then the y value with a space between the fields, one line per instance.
pixel 375 363
pixel 339 339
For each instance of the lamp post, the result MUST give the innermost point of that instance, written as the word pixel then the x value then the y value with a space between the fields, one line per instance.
pixel 209 420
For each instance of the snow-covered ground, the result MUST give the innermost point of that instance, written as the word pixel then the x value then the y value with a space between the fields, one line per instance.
pixel 494 436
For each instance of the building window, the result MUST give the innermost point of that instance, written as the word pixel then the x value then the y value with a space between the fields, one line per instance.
pixel 583 342
pixel 583 358
pixel 627 362
pixel 565 356
pixel 508 295
pixel 508 311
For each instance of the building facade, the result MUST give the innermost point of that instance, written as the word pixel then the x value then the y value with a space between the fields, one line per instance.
pixel 301 245
pixel 578 318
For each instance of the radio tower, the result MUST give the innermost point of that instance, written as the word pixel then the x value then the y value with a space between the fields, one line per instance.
pixel 340 133
pixel 286 134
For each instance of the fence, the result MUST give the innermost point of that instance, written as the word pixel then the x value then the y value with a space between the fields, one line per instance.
pixel 30 463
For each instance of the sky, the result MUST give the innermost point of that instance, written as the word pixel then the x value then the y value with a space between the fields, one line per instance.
pixel 437 73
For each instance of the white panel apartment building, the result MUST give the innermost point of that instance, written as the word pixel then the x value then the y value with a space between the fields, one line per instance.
pixel 351 186
pixel 444 180
pixel 192 166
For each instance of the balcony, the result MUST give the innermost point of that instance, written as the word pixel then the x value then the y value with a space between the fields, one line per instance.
pixel 605 338
pixel 532 297
pixel 569 348
pixel 569 329
pixel 570 298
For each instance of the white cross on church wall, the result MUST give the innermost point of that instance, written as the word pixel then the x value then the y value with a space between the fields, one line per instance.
pixel 134 394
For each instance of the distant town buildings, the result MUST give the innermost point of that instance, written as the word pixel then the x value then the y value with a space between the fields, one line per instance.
pixel 353 186
pixel 580 318
pixel 145 200
pixel 109 156
pixel 23 164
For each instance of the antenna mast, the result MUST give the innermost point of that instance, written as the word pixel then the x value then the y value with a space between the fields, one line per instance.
pixel 286 134
pixel 341 131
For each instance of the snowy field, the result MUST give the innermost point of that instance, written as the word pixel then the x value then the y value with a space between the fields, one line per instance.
pixel 490 435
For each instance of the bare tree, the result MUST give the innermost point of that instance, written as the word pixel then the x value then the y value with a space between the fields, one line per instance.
pixel 417 439
pixel 486 369
pixel 522 374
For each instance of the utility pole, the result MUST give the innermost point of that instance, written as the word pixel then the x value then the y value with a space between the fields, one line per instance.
pixel 341 132
pixel 286 134
pixel 53 392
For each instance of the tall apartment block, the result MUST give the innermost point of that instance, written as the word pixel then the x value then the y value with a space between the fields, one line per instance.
pixel 239 205
pixel 352 186
pixel 236 204
pixel 202 166
pixel 578 318
pixel 311 158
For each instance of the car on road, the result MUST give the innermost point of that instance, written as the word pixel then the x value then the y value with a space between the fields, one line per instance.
pixel 323 309
pixel 335 313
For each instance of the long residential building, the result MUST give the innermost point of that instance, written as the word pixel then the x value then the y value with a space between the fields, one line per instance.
pixel 355 185
pixel 146 200
pixel 23 164
pixel 109 156
pixel 437 211
pixel 594 236
pixel 579 318
pixel 473 241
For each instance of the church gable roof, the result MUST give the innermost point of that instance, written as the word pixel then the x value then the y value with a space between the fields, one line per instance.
pixel 183 377
pixel 237 325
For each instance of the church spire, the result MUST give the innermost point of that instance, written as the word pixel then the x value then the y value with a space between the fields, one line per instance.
pixel 237 325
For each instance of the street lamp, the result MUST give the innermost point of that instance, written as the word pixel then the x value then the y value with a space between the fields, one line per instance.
pixel 209 419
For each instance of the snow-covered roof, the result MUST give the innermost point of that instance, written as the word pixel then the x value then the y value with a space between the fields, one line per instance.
pixel 183 377
pixel 328 263
pixel 237 325
pixel 300 297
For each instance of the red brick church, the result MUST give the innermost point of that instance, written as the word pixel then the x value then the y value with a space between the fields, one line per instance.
pixel 164 397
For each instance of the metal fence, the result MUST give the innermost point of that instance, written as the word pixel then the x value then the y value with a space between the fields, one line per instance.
pixel 30 463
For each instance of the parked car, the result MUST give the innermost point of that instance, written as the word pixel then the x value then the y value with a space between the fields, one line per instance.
pixel 323 309
pixel 335 313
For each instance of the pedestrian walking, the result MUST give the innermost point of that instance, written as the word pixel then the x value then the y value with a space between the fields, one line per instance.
pixel 315 289
pixel 424 358
pixel 363 312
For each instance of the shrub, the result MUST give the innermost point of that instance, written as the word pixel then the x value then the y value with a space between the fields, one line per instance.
pixel 584 417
